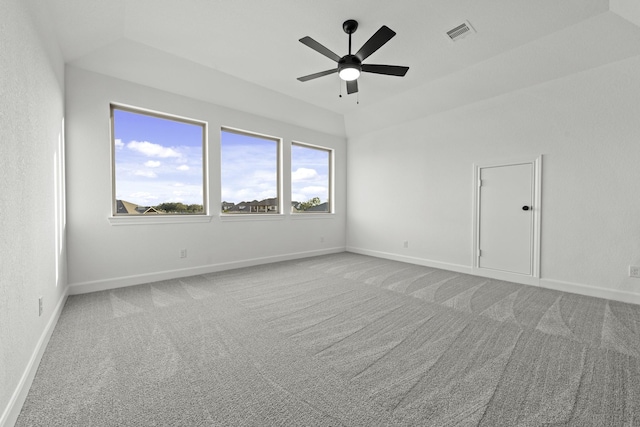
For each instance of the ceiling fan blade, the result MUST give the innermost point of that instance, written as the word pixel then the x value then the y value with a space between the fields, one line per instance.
pixel 352 86
pixel 319 48
pixel 316 75
pixel 389 70
pixel 383 35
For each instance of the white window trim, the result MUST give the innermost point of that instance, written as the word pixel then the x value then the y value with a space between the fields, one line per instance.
pixel 158 219
pixel 315 215
pixel 251 217
pixel 279 162
pixel 331 200
pixel 128 219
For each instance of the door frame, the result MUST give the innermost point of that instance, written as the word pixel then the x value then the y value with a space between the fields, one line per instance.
pixel 534 277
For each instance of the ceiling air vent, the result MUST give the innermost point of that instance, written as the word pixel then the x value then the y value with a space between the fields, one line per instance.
pixel 461 31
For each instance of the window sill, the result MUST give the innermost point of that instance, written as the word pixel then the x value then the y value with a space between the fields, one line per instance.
pixel 159 219
pixel 251 217
pixel 325 215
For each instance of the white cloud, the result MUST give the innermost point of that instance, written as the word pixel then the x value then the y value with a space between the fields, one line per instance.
pixel 303 174
pixel 152 150
pixel 246 194
pixel 119 144
pixel 142 196
pixel 183 168
pixel 265 176
pixel 150 192
pixel 299 197
pixel 152 163
pixel 316 190
pixel 148 174
pixel 309 192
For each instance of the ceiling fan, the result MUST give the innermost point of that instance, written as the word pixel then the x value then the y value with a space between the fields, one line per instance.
pixel 350 66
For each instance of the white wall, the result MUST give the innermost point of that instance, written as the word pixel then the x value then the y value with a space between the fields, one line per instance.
pixel 32 254
pixel 139 63
pixel 102 255
pixel 413 180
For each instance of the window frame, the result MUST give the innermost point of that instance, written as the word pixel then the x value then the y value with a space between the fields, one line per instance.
pixel 126 219
pixel 279 187
pixel 330 177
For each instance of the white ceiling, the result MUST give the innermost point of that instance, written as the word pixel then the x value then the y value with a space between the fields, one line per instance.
pixel 518 43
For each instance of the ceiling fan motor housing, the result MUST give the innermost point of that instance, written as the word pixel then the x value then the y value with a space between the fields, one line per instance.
pixel 349 67
pixel 349 61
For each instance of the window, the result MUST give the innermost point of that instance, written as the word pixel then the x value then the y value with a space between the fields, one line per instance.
pixel 250 173
pixel 310 179
pixel 158 163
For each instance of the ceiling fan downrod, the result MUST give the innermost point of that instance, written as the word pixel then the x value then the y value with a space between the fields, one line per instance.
pixel 350 26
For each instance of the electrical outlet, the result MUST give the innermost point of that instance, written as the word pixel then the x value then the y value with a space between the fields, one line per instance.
pixel 40 306
pixel 634 271
pixel 406 244
pixel 183 253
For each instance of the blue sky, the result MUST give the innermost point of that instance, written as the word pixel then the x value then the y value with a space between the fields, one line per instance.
pixel 157 160
pixel 249 170
pixel 309 173
pixel 248 167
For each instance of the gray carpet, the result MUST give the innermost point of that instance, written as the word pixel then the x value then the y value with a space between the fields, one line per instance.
pixel 338 340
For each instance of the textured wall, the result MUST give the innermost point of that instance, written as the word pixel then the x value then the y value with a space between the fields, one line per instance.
pixel 101 254
pixel 585 126
pixel 31 241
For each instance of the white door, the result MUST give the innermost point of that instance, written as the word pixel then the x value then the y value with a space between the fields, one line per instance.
pixel 506 220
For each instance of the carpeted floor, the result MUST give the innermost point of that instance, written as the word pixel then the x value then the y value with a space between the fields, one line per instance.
pixel 338 340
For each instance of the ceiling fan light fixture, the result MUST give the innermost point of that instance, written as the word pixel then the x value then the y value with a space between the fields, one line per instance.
pixel 349 74
pixel 349 68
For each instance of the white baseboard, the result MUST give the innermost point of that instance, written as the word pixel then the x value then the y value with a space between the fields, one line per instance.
pixel 558 285
pixel 591 291
pixel 506 276
pixel 12 411
pixel 459 268
pixel 120 282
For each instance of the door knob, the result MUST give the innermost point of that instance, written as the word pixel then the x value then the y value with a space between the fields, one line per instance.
pixel 525 208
